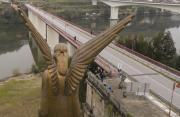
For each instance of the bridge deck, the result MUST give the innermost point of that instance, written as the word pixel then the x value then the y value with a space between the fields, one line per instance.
pixel 160 84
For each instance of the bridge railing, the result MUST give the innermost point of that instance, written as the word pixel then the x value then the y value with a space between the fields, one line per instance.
pixel 174 71
pixel 165 67
pixel 99 60
pixel 119 105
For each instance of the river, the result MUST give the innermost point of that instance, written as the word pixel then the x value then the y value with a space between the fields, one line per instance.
pixel 148 25
pixel 15 53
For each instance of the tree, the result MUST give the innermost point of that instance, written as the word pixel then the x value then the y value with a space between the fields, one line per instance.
pixel 178 63
pixel 143 46
pixel 163 47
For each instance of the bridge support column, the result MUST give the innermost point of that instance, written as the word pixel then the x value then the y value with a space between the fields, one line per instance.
pixel 71 49
pixel 52 37
pixel 162 10
pixel 114 12
pixel 94 2
pixel 113 22
pixel 38 23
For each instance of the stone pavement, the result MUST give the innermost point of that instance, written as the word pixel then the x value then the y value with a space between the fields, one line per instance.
pixel 138 106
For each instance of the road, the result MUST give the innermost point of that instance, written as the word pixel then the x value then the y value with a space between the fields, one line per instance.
pixel 159 84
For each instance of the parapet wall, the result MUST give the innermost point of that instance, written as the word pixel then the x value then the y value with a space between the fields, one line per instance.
pixel 98 101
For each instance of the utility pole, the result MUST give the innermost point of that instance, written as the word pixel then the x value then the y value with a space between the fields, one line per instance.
pixel 170 108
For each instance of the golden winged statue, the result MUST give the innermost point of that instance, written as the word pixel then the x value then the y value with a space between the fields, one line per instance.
pixel 60 82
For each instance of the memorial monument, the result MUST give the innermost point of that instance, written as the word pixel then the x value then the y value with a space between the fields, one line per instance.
pixel 60 82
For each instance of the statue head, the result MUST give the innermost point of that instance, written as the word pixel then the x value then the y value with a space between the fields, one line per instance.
pixel 61 58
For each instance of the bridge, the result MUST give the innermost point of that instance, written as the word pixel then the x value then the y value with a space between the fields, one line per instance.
pixel 115 4
pixel 4 1
pixel 144 70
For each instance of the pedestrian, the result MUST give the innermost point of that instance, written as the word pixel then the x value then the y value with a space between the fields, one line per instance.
pixel 122 81
pixel 101 74
pixel 120 73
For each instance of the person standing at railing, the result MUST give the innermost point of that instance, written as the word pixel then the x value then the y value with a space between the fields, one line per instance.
pixel 122 84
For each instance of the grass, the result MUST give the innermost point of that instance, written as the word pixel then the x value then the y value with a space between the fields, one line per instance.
pixel 20 98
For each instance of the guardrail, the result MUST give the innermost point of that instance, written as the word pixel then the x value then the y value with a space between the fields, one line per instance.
pixel 164 101
pixel 155 63
pixel 70 38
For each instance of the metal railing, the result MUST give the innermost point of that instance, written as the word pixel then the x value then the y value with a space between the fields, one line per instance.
pixel 165 67
pixel 102 89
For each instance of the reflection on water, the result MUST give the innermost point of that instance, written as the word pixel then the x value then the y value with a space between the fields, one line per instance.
pixel 15 54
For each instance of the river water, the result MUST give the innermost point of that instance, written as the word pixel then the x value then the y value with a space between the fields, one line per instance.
pixel 148 25
pixel 15 53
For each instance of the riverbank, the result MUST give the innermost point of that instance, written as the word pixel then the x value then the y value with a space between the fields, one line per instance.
pixel 20 96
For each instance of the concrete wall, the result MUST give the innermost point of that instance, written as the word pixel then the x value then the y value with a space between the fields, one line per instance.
pixel 98 102
pixel 88 95
pixel 95 101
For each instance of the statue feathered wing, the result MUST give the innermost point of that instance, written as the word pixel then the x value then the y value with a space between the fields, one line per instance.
pixel 44 48
pixel 87 52
pixel 81 59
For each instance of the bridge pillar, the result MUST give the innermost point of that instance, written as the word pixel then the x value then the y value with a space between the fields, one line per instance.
pixel 113 22
pixel 71 49
pixel 94 2
pixel 38 23
pixel 114 12
pixel 52 37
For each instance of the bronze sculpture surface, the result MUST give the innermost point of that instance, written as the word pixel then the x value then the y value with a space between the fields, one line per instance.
pixel 60 82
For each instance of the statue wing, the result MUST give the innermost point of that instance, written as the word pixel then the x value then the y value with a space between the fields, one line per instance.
pixel 43 46
pixel 88 51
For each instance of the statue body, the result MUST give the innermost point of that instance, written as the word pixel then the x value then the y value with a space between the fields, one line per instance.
pixel 60 82
pixel 60 105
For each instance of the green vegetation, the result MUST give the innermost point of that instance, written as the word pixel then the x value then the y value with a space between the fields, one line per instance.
pixel 34 69
pixel 16 72
pixel 160 48
pixel 111 111
pixel 12 31
pixel 20 97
